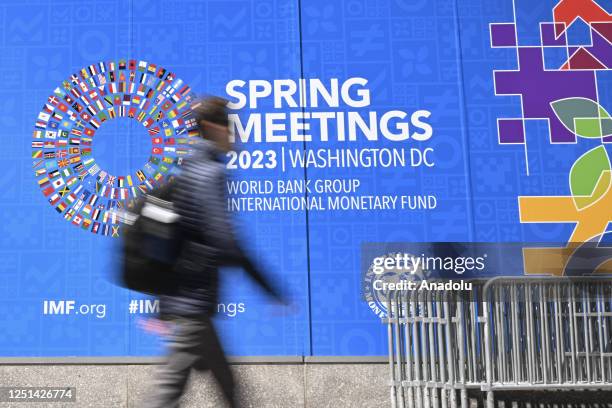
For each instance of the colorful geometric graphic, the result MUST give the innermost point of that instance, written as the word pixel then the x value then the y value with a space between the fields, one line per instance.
pixel 538 86
pixel 567 97
pixel 64 163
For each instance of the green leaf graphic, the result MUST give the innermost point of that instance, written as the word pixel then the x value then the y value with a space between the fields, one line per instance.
pixel 590 177
pixel 583 117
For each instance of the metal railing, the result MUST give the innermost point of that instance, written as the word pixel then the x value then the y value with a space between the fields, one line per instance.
pixel 506 334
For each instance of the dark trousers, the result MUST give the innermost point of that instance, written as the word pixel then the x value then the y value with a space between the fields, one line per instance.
pixel 193 344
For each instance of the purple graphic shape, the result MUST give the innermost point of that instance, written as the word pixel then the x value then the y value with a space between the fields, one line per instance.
pixel 539 88
pixel 511 131
pixel 503 35
pixel 547 31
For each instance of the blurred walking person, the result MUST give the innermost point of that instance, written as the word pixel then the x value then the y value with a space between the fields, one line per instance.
pixel 199 198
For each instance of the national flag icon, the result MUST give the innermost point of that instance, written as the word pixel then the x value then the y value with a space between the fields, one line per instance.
pixel 95 228
pixel 158 176
pixel 157 140
pixel 168 160
pixel 129 180
pixel 48 191
pixel 86 223
pixel 157 150
pixel 64 190
pixel 62 163
pixel 37 154
pixel 86 141
pixel 61 207
pixel 154 131
pixel 120 181
pixel 168 132
pixel 140 175
pixel 66 172
pixel 50 134
pixel 69 214
pixel 49 145
pixel 54 173
pixel 93 170
pixel 71 181
pixel 74 150
pixel 86 151
pixel 38 134
pixel 58 183
pixel 154 160
pixel 77 220
pixel 132 113
pixel 37 145
pixel 77 107
pixel 40 172
pixel 61 143
pixel 87 209
pixel 54 199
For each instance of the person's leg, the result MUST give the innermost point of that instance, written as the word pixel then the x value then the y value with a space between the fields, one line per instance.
pixel 214 359
pixel 184 346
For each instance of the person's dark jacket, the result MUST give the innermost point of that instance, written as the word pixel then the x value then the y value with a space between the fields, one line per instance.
pixel 209 239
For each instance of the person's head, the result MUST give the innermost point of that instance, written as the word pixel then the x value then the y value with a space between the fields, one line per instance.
pixel 212 118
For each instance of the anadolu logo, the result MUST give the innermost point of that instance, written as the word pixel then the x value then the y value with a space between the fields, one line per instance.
pixel 85 194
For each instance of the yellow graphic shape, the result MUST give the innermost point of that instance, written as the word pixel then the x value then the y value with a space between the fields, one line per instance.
pixel 591 221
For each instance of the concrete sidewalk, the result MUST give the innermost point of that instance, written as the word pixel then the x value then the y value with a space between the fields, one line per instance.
pixel 262 385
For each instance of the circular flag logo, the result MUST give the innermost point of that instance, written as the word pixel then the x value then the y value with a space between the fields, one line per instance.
pixel 64 161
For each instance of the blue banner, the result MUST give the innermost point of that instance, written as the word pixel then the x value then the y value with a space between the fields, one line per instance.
pixel 355 121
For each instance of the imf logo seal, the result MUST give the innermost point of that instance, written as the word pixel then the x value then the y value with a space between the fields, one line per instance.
pixel 389 274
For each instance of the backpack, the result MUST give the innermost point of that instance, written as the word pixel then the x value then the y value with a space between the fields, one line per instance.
pixel 151 243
